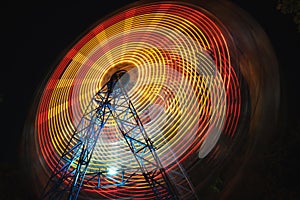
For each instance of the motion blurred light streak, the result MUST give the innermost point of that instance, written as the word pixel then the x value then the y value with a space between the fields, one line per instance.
pixel 181 82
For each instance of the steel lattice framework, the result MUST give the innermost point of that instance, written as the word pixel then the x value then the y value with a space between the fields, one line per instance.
pixel 70 174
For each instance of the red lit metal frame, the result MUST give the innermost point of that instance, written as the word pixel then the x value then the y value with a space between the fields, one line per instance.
pixel 183 86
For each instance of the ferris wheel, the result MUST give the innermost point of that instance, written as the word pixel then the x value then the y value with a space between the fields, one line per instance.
pixel 143 105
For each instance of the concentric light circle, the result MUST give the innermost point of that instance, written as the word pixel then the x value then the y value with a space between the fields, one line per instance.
pixel 182 84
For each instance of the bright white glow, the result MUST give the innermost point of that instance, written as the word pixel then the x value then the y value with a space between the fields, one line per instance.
pixel 112 171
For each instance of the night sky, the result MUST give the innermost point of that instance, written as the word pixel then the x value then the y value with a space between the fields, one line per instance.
pixel 34 36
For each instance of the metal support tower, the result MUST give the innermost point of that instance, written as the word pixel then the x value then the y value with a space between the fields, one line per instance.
pixel 70 174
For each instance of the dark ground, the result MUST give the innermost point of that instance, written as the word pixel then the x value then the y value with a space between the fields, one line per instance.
pixel 35 35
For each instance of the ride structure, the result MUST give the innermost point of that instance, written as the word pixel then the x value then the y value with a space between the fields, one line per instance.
pixel 71 173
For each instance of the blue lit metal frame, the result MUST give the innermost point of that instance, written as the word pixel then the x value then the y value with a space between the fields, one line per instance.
pixel 71 170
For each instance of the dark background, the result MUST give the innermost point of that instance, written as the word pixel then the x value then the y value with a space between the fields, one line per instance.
pixel 34 36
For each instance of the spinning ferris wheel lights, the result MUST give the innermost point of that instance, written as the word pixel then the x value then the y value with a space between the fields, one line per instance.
pixel 177 68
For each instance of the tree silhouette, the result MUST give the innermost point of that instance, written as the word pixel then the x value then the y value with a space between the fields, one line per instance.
pixel 290 7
